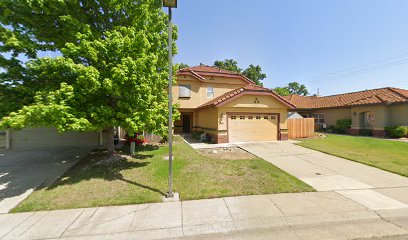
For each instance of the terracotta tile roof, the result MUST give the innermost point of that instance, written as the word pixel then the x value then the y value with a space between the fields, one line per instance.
pixel 249 89
pixel 203 70
pixel 367 97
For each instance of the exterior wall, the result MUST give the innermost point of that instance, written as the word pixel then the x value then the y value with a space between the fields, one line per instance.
pixel 398 114
pixel 381 116
pixel 334 114
pixel 207 120
pixel 49 137
pixel 198 89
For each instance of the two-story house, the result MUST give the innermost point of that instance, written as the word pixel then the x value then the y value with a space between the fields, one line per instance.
pixel 228 106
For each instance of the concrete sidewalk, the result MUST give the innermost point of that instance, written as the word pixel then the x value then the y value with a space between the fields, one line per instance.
pixel 316 215
pixel 372 187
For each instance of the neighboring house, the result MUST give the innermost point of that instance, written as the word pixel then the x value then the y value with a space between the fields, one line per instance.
pixel 228 106
pixel 370 109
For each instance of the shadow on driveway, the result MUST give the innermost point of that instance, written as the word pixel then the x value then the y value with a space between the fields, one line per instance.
pixel 23 170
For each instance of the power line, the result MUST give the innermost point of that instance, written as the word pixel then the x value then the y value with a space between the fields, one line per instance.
pixel 353 69
pixel 361 71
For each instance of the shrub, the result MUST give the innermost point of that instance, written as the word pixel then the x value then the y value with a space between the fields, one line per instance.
pixel 366 132
pixel 343 124
pixel 197 134
pixel 396 131
pixel 331 129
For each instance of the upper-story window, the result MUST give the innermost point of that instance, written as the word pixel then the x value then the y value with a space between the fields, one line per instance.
pixel 184 91
pixel 210 92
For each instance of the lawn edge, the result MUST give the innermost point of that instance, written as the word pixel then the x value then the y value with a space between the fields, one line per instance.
pixel 336 155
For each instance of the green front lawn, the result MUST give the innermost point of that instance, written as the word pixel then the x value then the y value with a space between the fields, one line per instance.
pixel 384 154
pixel 143 179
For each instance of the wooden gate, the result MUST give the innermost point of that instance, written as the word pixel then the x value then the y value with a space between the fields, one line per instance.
pixel 300 127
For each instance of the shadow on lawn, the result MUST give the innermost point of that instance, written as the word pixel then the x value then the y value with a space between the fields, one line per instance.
pixel 90 167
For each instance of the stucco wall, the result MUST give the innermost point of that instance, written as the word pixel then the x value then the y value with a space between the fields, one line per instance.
pixel 398 114
pixel 381 116
pixel 332 115
pixel 198 89
pixel 207 120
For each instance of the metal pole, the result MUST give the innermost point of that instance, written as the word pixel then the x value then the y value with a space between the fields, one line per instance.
pixel 170 194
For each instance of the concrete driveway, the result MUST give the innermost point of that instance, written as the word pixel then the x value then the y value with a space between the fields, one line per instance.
pixel 23 170
pixel 371 187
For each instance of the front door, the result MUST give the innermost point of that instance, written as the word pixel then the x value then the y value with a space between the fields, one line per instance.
pixel 186 124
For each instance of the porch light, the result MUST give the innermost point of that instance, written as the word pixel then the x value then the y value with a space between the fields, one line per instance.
pixel 170 3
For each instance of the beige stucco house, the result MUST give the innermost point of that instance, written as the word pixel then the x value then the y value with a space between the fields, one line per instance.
pixel 228 106
pixel 370 109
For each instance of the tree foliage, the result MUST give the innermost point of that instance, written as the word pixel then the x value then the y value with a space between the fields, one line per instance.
pixel 255 74
pixel 112 72
pixel 283 91
pixel 179 66
pixel 296 88
pixel 292 88
pixel 252 72
pixel 228 64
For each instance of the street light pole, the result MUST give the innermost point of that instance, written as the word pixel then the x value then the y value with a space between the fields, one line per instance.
pixel 170 193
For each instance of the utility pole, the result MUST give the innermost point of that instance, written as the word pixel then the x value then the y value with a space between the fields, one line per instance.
pixel 170 4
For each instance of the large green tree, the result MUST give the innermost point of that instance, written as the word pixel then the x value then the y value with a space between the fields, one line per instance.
pixel 292 88
pixel 283 91
pixel 228 64
pixel 255 74
pixel 112 70
pixel 179 66
pixel 252 72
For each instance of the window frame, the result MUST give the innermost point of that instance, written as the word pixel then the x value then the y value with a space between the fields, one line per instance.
pixel 319 118
pixel 185 86
pixel 210 92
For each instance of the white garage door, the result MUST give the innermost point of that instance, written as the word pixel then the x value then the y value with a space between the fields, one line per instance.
pixel 252 127
pixel 49 137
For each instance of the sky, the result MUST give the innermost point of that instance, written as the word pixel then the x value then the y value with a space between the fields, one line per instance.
pixel 335 46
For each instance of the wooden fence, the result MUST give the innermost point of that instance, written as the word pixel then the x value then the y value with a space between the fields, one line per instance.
pixel 300 127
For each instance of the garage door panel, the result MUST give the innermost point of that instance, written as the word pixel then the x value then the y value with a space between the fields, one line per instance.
pixel 49 137
pixel 243 128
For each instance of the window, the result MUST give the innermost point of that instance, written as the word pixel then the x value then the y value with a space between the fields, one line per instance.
pixel 258 117
pixel 184 91
pixel 266 117
pixel 273 117
pixel 319 118
pixel 242 117
pixel 233 117
pixel 250 117
pixel 210 92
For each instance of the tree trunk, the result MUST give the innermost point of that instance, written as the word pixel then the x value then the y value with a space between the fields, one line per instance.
pixel 111 146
